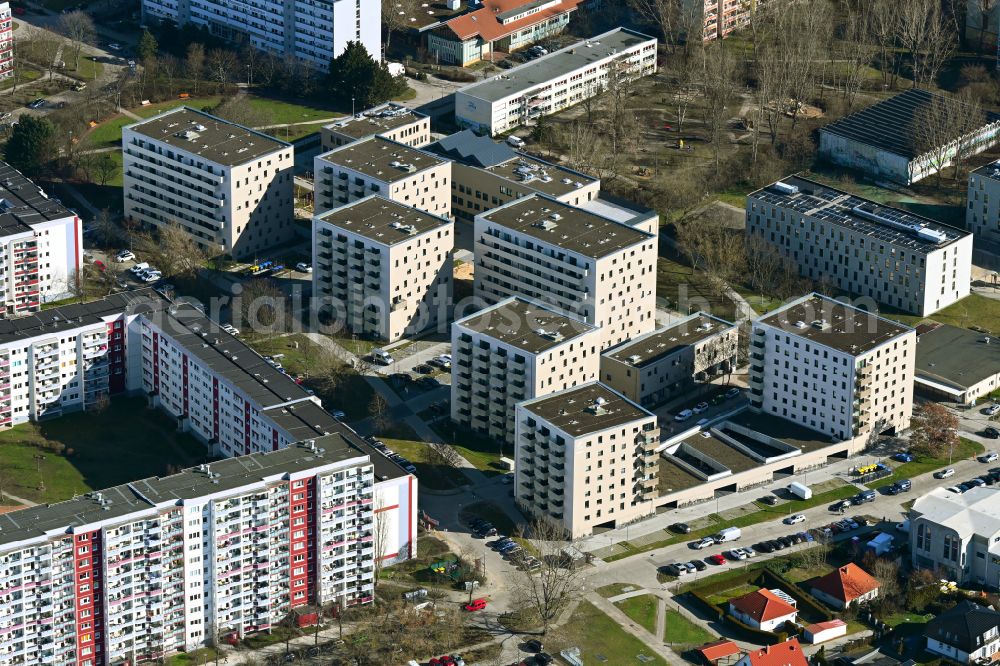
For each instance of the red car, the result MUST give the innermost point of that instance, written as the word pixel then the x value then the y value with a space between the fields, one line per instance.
pixel 718 559
pixel 475 605
pixel 99 265
pixel 443 660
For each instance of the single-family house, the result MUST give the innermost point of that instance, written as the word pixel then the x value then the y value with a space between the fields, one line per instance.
pixel 845 586
pixel 788 653
pixel 766 610
pixel 966 633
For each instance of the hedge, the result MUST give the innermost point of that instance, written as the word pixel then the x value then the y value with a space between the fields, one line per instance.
pixel 752 634
pixel 773 579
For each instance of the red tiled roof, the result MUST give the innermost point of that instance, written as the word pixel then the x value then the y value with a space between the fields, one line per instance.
pixel 846 583
pixel 823 626
pixel 788 653
pixel 762 605
pixel 483 21
pixel 718 650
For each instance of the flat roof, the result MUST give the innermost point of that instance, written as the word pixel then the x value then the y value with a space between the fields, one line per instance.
pixel 535 73
pixel 495 19
pixel 207 136
pixel 976 511
pixel 656 345
pixel 712 447
pixel 53 321
pixel 23 203
pixel 585 409
pixel 879 222
pixel 888 125
pixel 382 159
pixel 565 226
pixel 834 324
pixel 383 220
pixel 956 356
pixel 377 120
pixel 120 501
pixel 525 325
pixel 793 434
pixel 991 170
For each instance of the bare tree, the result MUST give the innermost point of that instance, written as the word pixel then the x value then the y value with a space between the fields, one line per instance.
pixel 927 36
pixel 883 27
pixel 173 251
pixel 106 168
pixel 886 572
pixel 718 71
pixel 78 27
pixel 380 535
pixel 939 128
pixel 557 583
pixel 661 13
pixel 984 8
pixel 221 64
pixel 970 120
pixel 396 15
pixel 194 64
pixel 378 411
pixel 933 429
pixel 855 51
pixel 239 110
pixel 261 308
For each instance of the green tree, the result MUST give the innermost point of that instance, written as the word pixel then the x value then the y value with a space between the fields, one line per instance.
pixel 355 74
pixel 32 145
pixel 146 50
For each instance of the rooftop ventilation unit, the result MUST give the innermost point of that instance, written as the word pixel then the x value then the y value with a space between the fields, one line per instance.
pixel 785 188
pixel 921 231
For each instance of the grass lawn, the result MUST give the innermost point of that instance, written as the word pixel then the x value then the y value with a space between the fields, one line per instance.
pixel 720 598
pixel 642 609
pixel 759 304
pixel 687 291
pixel 908 623
pixel 600 640
pixel 481 451
pixel 293 132
pixel 433 472
pixel 966 449
pixel 682 631
pixel 27 75
pixel 108 132
pixel 194 102
pixel 280 112
pixel 973 311
pixel 762 514
pixel 90 70
pixel 127 441
pixel 201 656
pixel 614 589
pixel 412 573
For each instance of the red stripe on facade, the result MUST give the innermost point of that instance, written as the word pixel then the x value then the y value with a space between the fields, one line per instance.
pixel 300 557
pixel 87 586
pixel 274 440
pixel 387 508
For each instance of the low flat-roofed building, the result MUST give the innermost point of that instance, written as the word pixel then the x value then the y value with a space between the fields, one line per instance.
pixel 384 266
pixel 884 140
pixel 554 82
pixel 895 257
pixel 833 367
pixel 598 270
pixel 513 351
pixel 956 364
pixel 381 166
pixel 228 187
pixel 562 440
pixel 497 25
pixel 41 244
pixel 982 215
pixel 958 534
pixel 391 121
pixel 666 363
pixel 486 174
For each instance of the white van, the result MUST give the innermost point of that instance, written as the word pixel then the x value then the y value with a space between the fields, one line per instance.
pixel 138 268
pixel 728 534
pixel 381 356
pixel 515 141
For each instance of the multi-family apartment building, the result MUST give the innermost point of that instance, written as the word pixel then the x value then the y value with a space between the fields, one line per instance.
pixel 833 368
pixel 982 216
pixel 585 457
pixel 377 165
pixel 391 121
pixel 6 41
pixel 554 81
pixel 41 246
pixel 497 25
pixel 598 270
pixel 386 268
pixel 229 188
pixel 718 18
pixel 513 351
pixel 967 633
pixel 892 256
pixel 136 572
pixel 311 31
pixel 666 363
pixel 958 534
pixel 63 359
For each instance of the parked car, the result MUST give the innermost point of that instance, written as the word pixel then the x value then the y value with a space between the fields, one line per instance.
pixel 988 457
pixel 534 645
pixel 303 267
pixel 718 558
pixel 865 496
pixel 475 605
pixel 900 486
pixel 703 543
pixel 700 407
pixel 732 393
pixel 683 415
pixel 737 554
pixel 794 519
pixel 124 255
pixel 114 46
pixel 515 141
pixel 229 328
pixel 992 410
pixel 946 473
pixel 681 528
pixel 765 547
pixel 903 456
pixel 37 104
pixel 769 500
pixel 991 433
pixel 749 551
pixel 699 565
pixel 673 570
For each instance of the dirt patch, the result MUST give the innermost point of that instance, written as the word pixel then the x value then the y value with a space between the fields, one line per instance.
pixel 464 270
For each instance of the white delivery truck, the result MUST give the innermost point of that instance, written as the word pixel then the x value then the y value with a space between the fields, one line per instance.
pixel 728 534
pixel 799 490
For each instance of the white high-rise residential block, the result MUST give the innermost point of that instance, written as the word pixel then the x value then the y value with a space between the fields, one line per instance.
pixel 597 270
pixel 585 457
pixel 514 351
pixel 833 368
pixel 982 216
pixel 312 31
pixel 6 41
pixel 890 255
pixel 145 569
pixel 385 268
pixel 227 187
pixel 391 121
